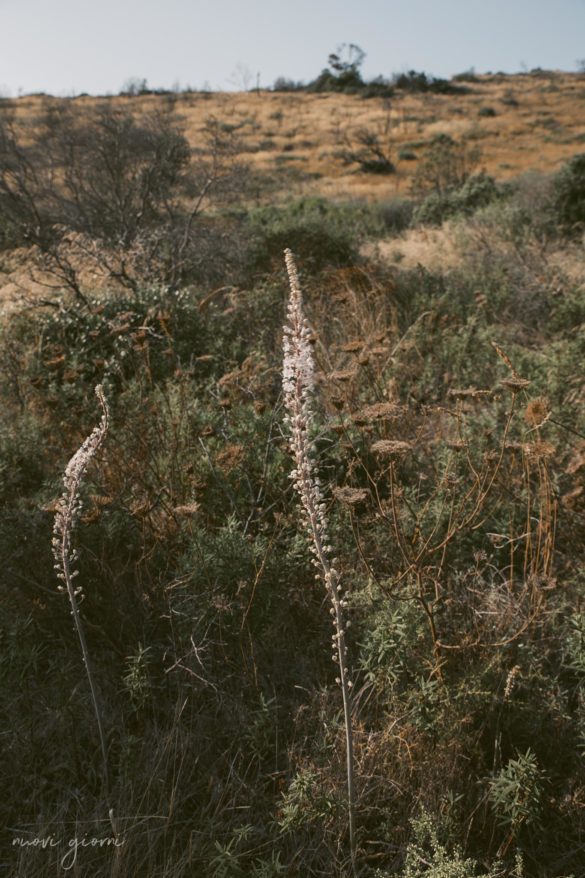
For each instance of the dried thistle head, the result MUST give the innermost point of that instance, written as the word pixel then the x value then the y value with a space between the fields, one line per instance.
pixel 391 447
pixel 537 411
pixel 515 384
pixel 343 375
pixel 378 411
pixel 230 457
pixel 350 496
pixel 540 450
pixel 467 393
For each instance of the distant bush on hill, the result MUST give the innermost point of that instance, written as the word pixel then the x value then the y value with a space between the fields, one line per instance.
pixel 445 165
pixel 320 232
pixel 343 75
pixel 350 82
pixel 466 76
pixel 477 191
pixel 281 83
pixel 413 81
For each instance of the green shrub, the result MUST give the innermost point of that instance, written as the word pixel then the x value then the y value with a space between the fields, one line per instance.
pixel 516 792
pixel 476 192
pixel 347 81
pixel 569 197
pixel 396 215
pixel 149 334
pixel 319 232
pixel 445 165
pixel 416 82
pixel 427 856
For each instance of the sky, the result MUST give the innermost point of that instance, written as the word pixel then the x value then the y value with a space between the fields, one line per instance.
pixel 66 47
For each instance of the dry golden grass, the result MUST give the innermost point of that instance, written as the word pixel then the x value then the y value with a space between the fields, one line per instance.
pixel 539 124
pixel 434 248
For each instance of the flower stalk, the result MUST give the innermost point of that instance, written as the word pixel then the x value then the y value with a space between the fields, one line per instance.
pixel 298 387
pixel 66 518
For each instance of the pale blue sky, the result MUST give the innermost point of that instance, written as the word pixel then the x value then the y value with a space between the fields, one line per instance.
pixel 70 46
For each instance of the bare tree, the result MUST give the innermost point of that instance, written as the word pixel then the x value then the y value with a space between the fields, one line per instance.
pixel 121 193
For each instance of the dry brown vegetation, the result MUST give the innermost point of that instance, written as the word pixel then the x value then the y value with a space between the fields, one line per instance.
pixel 539 123
pixel 296 140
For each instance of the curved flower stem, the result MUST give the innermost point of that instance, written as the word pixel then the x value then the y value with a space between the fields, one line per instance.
pixel 66 518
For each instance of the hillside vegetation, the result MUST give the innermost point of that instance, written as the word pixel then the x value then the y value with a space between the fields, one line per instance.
pixel 439 239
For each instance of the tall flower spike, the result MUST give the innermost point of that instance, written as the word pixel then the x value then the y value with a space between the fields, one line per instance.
pixel 66 518
pixel 69 506
pixel 298 385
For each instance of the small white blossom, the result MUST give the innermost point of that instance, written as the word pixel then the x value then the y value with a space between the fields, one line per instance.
pixel 69 506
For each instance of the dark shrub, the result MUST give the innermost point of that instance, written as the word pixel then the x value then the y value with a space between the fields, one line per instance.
pixel 348 82
pixel 569 201
pixel 416 82
pixel 476 192
pixel 318 233
pixel 396 215
pixel 445 165
pixel 281 83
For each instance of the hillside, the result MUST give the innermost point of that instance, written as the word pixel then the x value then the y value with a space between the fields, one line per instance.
pixel 521 123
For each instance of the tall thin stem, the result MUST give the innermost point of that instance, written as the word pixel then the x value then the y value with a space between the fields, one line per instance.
pixel 298 385
pixel 66 518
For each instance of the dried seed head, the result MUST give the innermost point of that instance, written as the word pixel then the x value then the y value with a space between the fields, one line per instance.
pixel 350 496
pixel 342 375
pixel 467 393
pixel 351 347
pixel 391 448
pixel 540 449
pixel 537 412
pixel 515 384
pixel 379 411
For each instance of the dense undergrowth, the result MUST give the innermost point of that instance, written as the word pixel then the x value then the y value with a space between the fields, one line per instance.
pixel 453 469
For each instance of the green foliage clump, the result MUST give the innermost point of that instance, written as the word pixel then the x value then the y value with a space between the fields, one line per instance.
pixel 343 75
pixel 396 215
pixel 516 792
pixel 347 82
pixel 445 165
pixel 111 339
pixel 569 195
pixel 477 192
pixel 319 232
pixel 419 82
pixel 429 857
